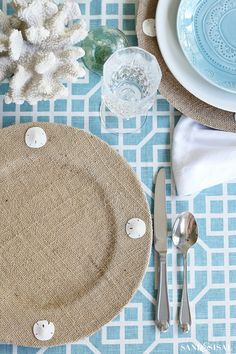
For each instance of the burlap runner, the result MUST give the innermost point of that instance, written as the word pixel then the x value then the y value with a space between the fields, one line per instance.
pixel 65 255
pixel 170 88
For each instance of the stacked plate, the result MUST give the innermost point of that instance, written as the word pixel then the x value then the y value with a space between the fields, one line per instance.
pixel 198 43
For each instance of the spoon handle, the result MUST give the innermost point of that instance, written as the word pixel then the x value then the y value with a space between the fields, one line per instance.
pixel 184 314
pixel 162 310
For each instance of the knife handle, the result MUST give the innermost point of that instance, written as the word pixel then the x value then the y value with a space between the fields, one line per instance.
pixel 162 309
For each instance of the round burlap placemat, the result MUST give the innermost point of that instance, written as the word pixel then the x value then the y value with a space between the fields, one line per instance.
pixel 171 89
pixel 65 254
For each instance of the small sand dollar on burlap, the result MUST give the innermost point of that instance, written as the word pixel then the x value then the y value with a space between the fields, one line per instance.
pixel 149 27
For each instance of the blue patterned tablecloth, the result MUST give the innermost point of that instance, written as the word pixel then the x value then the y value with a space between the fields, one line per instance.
pixel 212 279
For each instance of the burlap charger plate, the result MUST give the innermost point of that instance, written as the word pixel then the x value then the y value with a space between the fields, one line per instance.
pixel 65 254
pixel 171 89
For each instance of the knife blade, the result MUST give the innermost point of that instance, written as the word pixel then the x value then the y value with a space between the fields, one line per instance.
pixel 160 242
pixel 160 218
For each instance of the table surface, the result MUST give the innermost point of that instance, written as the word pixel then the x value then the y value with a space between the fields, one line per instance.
pixel 212 261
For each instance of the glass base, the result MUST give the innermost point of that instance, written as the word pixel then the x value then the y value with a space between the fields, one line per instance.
pixel 119 125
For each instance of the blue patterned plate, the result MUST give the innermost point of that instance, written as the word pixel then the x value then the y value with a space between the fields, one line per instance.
pixel 206 31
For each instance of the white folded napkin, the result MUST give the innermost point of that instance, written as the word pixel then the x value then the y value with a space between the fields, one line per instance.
pixel 201 157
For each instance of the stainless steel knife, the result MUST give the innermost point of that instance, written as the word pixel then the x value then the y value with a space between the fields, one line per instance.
pixel 160 243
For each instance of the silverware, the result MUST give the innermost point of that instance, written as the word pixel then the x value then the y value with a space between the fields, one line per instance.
pixel 185 234
pixel 160 242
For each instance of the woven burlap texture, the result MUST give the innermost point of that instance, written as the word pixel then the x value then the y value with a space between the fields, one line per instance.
pixel 65 255
pixel 171 89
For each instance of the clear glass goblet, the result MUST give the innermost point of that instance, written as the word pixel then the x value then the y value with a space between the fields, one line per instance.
pixel 131 77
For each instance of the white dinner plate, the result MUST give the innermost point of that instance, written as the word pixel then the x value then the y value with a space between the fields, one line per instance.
pixel 178 64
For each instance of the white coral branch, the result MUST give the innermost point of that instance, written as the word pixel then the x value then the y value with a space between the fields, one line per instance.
pixel 72 71
pixel 46 63
pixel 37 12
pixel 17 85
pixel 15 45
pixel 73 53
pixel 72 10
pixel 36 35
pixel 36 49
pixel 7 67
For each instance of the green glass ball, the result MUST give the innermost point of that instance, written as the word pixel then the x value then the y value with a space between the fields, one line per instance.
pixel 100 44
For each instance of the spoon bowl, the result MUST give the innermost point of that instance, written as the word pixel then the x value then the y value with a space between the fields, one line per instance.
pixel 185 235
pixel 185 232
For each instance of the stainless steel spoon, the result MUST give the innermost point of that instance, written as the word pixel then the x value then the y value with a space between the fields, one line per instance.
pixel 184 235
